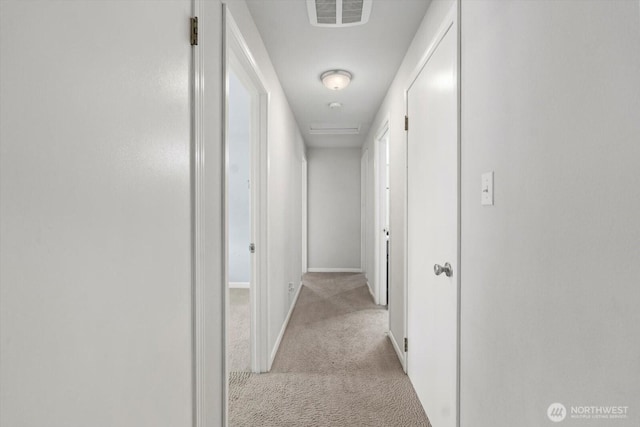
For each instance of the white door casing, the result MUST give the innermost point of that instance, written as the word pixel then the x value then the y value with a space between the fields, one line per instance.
pixel 381 212
pixel 304 215
pixel 364 165
pixel 432 225
pixel 240 59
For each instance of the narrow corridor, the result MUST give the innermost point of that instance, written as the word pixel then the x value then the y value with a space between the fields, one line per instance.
pixel 335 366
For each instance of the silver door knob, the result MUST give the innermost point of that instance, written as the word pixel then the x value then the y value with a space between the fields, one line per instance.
pixel 438 269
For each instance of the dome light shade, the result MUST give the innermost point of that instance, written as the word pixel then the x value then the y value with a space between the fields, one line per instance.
pixel 336 79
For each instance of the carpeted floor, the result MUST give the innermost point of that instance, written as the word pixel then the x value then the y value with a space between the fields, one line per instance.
pixel 335 366
pixel 238 330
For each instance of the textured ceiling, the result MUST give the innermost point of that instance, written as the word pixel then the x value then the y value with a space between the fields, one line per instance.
pixel 301 52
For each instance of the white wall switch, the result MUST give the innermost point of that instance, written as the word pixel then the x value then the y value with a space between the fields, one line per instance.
pixel 487 189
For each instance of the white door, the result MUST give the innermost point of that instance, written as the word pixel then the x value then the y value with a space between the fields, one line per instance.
pixel 433 232
pixel 95 174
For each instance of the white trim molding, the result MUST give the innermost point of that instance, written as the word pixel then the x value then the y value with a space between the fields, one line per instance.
pixel 398 350
pixel 305 217
pixel 276 346
pixel 371 291
pixel 380 249
pixel 335 270
pixel 204 298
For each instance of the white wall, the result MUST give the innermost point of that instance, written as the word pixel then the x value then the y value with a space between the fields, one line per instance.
pixel 370 217
pixel 334 208
pixel 393 109
pixel 95 276
pixel 286 150
pixel 239 197
pixel 550 296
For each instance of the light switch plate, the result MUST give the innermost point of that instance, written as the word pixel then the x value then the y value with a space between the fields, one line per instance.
pixel 487 189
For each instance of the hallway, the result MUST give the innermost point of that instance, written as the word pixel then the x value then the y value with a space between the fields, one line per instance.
pixel 335 366
pixel 459 175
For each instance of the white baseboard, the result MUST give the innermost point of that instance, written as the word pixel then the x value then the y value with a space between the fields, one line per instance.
pixel 239 285
pixel 400 352
pixel 284 327
pixel 371 291
pixel 334 270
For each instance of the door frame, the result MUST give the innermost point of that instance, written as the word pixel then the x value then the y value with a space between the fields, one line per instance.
pixel 451 18
pixel 304 214
pixel 364 164
pixel 239 57
pixel 379 261
pixel 209 285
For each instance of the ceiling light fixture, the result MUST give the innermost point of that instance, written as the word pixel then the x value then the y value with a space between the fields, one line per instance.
pixel 335 105
pixel 336 79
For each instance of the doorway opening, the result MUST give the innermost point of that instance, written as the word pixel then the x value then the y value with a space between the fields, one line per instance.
pixel 382 215
pixel 239 223
pixel 245 168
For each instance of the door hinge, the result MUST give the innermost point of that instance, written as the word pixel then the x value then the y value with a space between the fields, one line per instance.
pixel 406 122
pixel 194 31
pixel 252 248
pixel 406 345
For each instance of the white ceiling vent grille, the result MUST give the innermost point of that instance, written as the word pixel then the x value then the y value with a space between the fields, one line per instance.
pixel 334 129
pixel 338 13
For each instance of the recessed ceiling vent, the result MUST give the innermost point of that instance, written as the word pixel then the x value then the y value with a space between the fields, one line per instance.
pixel 338 13
pixel 334 129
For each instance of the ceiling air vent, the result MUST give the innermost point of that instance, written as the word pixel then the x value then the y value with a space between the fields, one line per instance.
pixel 334 129
pixel 338 13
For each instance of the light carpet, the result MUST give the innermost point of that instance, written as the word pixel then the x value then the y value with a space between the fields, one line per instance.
pixel 238 330
pixel 335 367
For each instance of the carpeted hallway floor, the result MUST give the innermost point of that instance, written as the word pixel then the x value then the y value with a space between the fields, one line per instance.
pixel 335 366
pixel 239 330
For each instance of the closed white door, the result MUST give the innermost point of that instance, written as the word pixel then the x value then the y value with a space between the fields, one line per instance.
pixel 95 213
pixel 433 232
